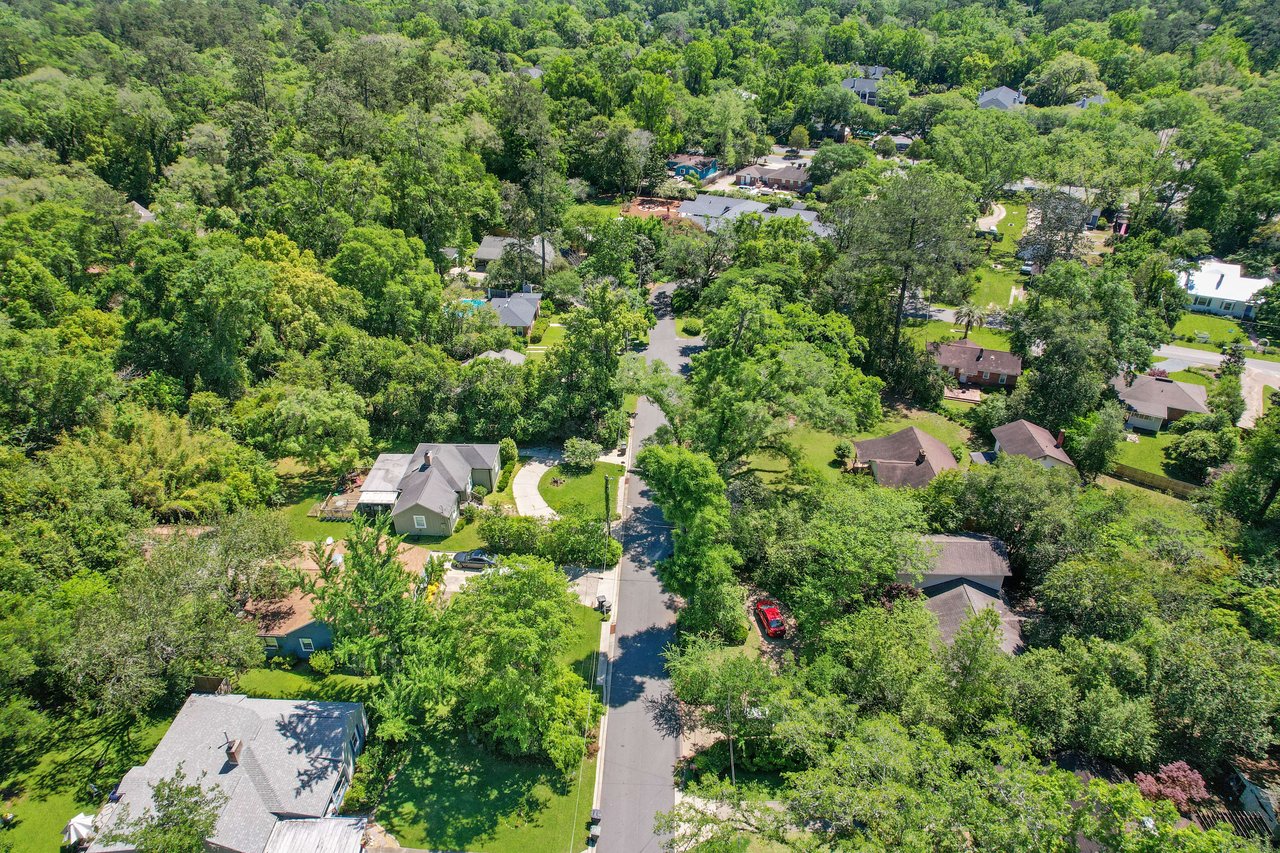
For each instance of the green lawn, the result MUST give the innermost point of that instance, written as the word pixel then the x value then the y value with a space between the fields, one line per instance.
pixel 995 286
pixel 1190 376
pixel 453 795
pixel 505 497
pixel 302 683
pixel 307 529
pixel 817 447
pixel 54 788
pixel 552 336
pixel 1220 329
pixel 680 332
pixel 1147 454
pixel 935 330
pixel 580 490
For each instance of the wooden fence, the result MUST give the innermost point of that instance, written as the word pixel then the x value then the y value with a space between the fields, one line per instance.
pixel 1153 481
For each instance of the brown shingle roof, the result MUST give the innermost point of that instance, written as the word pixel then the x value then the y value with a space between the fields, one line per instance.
pixel 1023 438
pixel 955 601
pixel 972 554
pixel 966 355
pixel 909 457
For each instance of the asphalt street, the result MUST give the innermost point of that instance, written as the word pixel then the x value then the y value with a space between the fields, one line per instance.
pixel 639 761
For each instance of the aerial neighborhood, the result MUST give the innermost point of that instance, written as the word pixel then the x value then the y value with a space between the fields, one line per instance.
pixel 686 427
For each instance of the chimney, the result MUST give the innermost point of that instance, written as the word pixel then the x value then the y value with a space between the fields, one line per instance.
pixel 1221 278
pixel 233 751
pixel 426 462
pixel 981 350
pixel 920 458
pixel 1062 438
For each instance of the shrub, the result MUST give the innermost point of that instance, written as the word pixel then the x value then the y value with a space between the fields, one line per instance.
pixel 1175 782
pixel 470 512
pixel 511 534
pixel 480 492
pixel 844 451
pixel 539 329
pixel 692 327
pixel 322 663
pixel 580 455
pixel 507 452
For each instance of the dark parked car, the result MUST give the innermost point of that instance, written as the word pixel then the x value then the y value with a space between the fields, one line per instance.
pixel 474 560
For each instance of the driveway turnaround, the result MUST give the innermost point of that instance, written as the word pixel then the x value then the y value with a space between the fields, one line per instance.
pixel 639 762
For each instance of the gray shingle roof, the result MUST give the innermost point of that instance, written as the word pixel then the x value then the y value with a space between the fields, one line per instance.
pixel 982 559
pixel 331 835
pixel 1023 438
pixel 492 247
pixel 518 310
pixel 909 457
pixel 291 761
pixel 1000 98
pixel 508 355
pixel 433 486
pixel 1155 396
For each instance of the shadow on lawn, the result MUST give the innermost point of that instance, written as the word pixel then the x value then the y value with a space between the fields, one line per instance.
pixel 452 796
pixel 89 757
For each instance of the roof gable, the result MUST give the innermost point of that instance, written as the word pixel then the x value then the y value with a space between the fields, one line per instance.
pixel 1023 438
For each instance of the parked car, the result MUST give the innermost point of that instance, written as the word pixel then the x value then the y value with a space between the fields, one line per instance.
pixel 474 560
pixel 770 616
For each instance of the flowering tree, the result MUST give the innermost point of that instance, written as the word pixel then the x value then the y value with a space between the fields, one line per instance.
pixel 1175 782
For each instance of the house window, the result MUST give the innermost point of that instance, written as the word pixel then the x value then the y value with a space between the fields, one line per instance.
pixel 986 374
pixel 1227 306
pixel 272 644
pixel 1003 378
pixel 420 522
pixel 307 645
pixel 1202 300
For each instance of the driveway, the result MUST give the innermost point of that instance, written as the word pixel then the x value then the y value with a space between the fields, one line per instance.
pixel 992 219
pixel 1257 373
pixel 638 761
pixel 524 488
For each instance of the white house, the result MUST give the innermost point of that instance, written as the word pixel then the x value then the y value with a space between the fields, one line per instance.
pixel 1221 288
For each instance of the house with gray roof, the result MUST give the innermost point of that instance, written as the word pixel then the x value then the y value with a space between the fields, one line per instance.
pixel 493 247
pixel 276 762
pixel 967 576
pixel 1091 101
pixel 867 85
pixel 711 212
pixel 1000 98
pixel 510 356
pixel 518 312
pixel 424 490
pixel 1154 402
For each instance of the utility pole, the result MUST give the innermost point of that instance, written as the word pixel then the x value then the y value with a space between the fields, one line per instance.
pixel 728 706
pixel 608 525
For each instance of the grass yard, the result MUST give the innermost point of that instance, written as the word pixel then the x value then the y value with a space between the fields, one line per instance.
pixel 74 754
pixel 552 336
pixel 680 332
pixel 453 795
pixel 1267 391
pixel 817 447
pixel 506 497
pixel 580 490
pixel 1191 377
pixel 935 330
pixel 307 529
pixel 995 286
pixel 1220 329
pixel 1012 227
pixel 1147 454
pixel 301 682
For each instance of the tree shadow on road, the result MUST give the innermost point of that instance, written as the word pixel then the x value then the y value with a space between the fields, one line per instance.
pixel 638 662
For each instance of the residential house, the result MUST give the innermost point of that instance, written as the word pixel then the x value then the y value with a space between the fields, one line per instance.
pixel 711 211
pixel 684 165
pixel 288 626
pixel 1214 287
pixel 1000 98
pixel 492 247
pixel 533 72
pixel 1256 782
pixel 1154 402
pixel 967 576
pixel 909 457
pixel 1091 101
pixel 518 312
pixel 510 356
pixel 1023 438
pixel 424 490
pixel 141 213
pixel 793 178
pixel 799 211
pixel 971 364
pixel 282 765
pixel 867 85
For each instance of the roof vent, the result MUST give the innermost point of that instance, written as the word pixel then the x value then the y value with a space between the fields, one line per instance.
pixel 233 751
pixel 1221 278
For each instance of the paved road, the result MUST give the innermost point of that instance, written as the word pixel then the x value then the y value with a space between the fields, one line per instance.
pixel 639 762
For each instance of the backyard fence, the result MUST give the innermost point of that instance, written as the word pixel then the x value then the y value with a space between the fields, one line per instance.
pixel 1154 481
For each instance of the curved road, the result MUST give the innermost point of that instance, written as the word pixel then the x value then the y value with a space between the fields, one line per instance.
pixel 639 762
